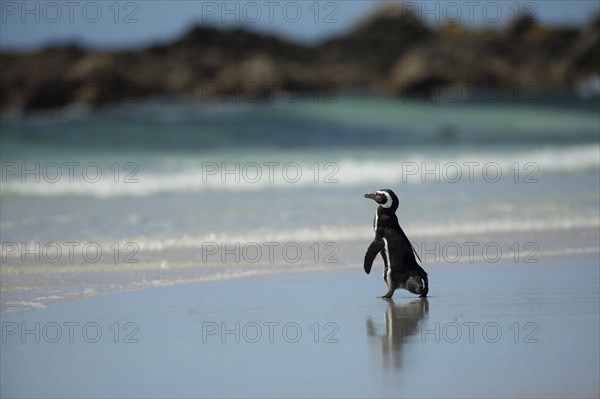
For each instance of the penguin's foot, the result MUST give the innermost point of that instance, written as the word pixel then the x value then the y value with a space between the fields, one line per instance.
pixel 388 295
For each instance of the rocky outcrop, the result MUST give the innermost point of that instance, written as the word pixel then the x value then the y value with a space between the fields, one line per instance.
pixel 391 53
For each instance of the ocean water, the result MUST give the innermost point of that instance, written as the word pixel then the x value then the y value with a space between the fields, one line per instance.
pixel 162 193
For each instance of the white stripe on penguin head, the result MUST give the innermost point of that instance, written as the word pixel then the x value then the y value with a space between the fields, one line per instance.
pixel 388 202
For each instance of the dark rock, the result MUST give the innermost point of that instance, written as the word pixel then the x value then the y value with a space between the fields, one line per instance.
pixel 392 52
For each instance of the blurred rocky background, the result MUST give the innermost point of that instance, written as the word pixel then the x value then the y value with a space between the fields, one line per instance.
pixel 391 53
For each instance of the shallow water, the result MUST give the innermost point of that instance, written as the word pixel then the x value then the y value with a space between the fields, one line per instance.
pixel 130 197
pixel 485 331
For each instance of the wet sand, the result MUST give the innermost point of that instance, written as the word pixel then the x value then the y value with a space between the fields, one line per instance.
pixel 485 331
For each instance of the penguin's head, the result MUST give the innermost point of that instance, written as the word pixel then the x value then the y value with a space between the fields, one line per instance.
pixel 385 198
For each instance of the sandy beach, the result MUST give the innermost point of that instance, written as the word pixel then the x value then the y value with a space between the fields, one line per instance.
pixel 485 331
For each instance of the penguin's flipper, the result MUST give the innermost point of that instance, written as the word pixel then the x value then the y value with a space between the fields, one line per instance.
pixel 403 235
pixel 375 247
pixel 415 252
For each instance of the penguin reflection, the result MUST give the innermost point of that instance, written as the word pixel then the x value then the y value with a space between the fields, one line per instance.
pixel 401 321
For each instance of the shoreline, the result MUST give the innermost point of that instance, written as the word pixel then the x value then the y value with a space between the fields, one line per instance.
pixel 41 303
pixel 121 279
pixel 485 331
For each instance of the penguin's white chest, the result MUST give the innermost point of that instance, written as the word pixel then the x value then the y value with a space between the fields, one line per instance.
pixel 387 267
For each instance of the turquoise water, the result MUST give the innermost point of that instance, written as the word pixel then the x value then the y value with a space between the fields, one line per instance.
pixel 155 182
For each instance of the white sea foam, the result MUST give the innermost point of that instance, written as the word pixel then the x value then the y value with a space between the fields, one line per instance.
pixel 351 233
pixel 407 168
pixel 340 234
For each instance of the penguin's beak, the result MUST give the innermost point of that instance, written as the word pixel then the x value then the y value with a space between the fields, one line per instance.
pixel 370 195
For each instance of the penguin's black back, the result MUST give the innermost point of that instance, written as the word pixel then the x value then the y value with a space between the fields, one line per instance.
pixel 399 247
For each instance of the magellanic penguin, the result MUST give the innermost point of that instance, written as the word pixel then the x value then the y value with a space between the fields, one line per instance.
pixel 401 269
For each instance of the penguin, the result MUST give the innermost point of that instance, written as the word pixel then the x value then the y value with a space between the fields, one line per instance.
pixel 401 269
